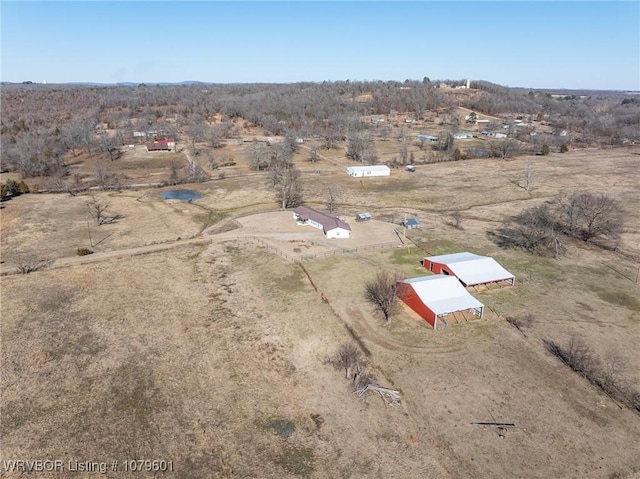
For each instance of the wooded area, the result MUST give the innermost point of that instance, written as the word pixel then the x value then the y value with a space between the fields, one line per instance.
pixel 43 127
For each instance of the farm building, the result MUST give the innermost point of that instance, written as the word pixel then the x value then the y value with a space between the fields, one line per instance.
pixel 363 217
pixel 161 145
pixel 411 223
pixel 331 226
pixel 463 135
pixel 366 171
pixel 471 269
pixel 438 299
pixel 494 134
pixel 423 137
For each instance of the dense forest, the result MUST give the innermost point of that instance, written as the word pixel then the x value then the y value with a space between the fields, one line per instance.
pixel 43 124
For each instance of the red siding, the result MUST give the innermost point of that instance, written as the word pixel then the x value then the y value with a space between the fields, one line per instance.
pixel 437 268
pixel 409 296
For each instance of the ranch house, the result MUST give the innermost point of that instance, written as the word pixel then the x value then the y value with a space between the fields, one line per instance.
pixel 331 226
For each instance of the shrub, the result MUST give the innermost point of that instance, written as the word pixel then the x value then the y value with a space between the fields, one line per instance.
pixel 83 251
pixel 564 148
pixel 12 188
pixel 23 188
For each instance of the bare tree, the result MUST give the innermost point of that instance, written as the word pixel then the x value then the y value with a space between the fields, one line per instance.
pixel 334 193
pixel 287 181
pixel 73 136
pixel 259 155
pixel 217 133
pixel 599 215
pixel 528 180
pixel 455 219
pixel 349 358
pixel 196 131
pixel 28 263
pixel 445 141
pixel 504 148
pixel 587 215
pixel 109 144
pixel 174 172
pixel 198 175
pixel 381 292
pixel 106 180
pixel 535 230
pixel 98 211
pixel 360 148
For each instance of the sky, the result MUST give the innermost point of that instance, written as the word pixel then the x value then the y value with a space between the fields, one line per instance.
pixel 539 44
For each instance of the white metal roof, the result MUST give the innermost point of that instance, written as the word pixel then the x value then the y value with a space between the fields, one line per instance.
pixel 443 294
pixel 473 269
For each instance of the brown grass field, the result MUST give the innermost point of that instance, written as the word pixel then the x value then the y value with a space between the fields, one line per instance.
pixel 211 352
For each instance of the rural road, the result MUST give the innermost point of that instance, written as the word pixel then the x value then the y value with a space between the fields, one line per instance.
pixel 107 255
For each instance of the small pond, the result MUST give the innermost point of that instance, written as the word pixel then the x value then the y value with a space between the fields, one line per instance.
pixel 184 195
pixel 281 427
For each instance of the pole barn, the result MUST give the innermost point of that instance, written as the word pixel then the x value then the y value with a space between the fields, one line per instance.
pixel 471 269
pixel 439 299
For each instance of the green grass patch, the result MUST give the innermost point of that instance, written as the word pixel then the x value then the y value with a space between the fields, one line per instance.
pixel 291 283
pixel 407 258
pixel 296 460
pixel 210 218
pixel 620 298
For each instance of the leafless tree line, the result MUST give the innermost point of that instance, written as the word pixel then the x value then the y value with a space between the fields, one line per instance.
pixel 42 123
pixel 608 374
pixel 579 214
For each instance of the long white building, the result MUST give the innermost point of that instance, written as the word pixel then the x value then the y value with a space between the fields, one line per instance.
pixel 368 171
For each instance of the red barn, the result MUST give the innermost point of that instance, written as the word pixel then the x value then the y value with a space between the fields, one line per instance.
pixel 471 269
pixel 438 299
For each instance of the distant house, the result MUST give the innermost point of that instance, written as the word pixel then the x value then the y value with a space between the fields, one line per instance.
pixel 411 223
pixel 331 226
pixel 439 299
pixel 423 137
pixel 161 145
pixel 463 135
pixel 494 134
pixel 471 269
pixel 368 171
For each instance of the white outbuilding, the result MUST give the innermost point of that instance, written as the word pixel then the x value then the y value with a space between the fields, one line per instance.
pixel 368 171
